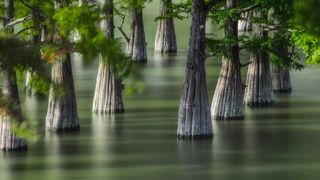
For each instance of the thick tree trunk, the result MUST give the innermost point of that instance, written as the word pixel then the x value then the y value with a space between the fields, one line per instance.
pixel 227 103
pixel 8 140
pixel 245 25
pixel 259 83
pixel 281 76
pixel 136 47
pixel 62 114
pixel 194 112
pixel 281 79
pixel 165 41
pixel 108 92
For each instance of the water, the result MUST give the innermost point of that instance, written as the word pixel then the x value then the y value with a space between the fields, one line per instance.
pixel 280 142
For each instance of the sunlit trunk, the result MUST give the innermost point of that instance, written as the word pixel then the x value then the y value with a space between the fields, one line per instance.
pixel 227 102
pixel 165 41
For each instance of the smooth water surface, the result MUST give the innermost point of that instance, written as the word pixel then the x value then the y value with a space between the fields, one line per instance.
pixel 280 142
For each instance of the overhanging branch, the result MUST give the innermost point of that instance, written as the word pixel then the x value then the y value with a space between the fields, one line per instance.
pixel 17 21
pixel 249 8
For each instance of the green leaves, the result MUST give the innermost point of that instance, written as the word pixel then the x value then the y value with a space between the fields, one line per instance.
pixel 309 44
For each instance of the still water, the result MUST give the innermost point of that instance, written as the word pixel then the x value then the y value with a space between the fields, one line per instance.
pixel 280 142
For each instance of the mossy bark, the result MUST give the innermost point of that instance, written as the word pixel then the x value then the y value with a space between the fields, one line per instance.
pixel 137 47
pixel 227 102
pixel 194 118
pixel 165 41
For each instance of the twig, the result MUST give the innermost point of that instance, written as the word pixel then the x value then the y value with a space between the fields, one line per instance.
pixel 123 16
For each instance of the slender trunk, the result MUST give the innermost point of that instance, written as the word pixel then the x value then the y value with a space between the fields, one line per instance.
pixel 108 92
pixel 165 41
pixel 136 48
pixel 281 76
pixel 259 83
pixel 245 25
pixel 227 101
pixel 8 141
pixel 62 114
pixel 194 112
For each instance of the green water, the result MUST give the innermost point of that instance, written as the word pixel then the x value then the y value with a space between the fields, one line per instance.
pixel 280 142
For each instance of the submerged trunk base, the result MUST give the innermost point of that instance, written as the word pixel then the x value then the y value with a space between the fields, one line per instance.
pixel 222 118
pixel 191 137
pixel 260 104
pixel 8 141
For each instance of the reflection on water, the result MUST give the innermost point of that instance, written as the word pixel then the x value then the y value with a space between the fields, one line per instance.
pixel 279 142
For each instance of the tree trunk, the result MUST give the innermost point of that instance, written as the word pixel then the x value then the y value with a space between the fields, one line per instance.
pixel 8 140
pixel 227 103
pixel 281 76
pixel 194 112
pixel 62 114
pixel 259 83
pixel 108 92
pixel 136 48
pixel 245 25
pixel 165 41
pixel 281 79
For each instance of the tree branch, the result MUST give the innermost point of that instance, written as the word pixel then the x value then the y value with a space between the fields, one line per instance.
pixel 123 17
pixel 23 30
pixel 248 8
pixel 27 5
pixel 17 21
pixel 211 4
pixel 246 64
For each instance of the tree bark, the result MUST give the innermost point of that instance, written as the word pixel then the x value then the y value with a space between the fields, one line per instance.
pixel 108 91
pixel 8 140
pixel 281 79
pixel 245 25
pixel 136 47
pixel 194 118
pixel 281 76
pixel 227 103
pixel 259 82
pixel 62 114
pixel 165 41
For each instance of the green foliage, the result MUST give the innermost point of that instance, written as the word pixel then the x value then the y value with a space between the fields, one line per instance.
pixel 180 10
pixel 309 44
pixel 307 16
pixel 27 58
pixel 9 111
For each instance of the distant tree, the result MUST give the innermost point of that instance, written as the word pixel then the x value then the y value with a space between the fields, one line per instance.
pixel 165 41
